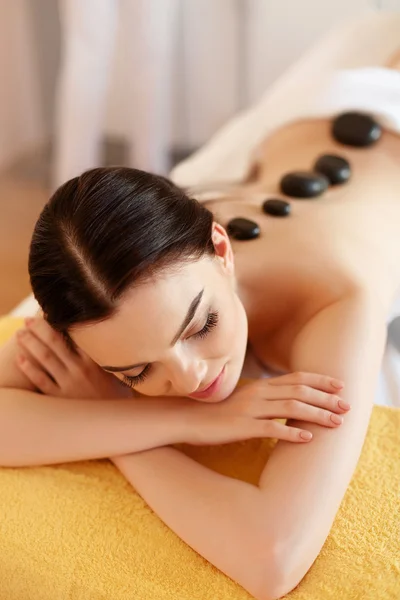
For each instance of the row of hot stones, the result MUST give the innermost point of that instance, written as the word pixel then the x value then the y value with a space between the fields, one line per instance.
pixel 350 129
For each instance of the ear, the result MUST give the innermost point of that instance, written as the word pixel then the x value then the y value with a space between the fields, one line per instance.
pixel 223 247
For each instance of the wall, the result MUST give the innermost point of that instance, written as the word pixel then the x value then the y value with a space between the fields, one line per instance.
pixel 230 51
pixel 22 126
pixel 226 52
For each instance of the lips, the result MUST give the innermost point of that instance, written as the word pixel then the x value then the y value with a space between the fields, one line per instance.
pixel 211 388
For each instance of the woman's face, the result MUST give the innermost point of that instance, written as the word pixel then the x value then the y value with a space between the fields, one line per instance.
pixel 184 333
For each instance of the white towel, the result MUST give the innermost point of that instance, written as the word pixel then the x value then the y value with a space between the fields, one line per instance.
pixel 344 71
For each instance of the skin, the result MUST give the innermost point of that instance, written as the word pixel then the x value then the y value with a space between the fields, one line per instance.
pixel 328 248
pixel 316 289
pixel 193 361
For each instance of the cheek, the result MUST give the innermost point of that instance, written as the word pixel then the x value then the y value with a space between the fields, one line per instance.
pixel 156 384
pixel 231 334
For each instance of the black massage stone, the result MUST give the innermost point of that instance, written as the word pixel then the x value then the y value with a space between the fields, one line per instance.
pixel 335 168
pixel 276 207
pixel 356 129
pixel 304 184
pixel 243 229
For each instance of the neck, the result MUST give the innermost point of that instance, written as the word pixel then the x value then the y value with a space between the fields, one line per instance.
pixel 270 302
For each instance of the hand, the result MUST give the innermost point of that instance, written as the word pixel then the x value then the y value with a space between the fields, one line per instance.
pixel 250 411
pixel 55 370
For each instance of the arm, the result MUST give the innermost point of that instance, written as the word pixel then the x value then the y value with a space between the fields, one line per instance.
pixel 346 340
pixel 40 430
pixel 259 538
pixel 78 417
pixel 71 420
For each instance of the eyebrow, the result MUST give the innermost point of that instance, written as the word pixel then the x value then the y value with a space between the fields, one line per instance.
pixel 189 316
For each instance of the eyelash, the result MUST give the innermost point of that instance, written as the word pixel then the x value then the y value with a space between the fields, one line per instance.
pixel 132 381
pixel 212 321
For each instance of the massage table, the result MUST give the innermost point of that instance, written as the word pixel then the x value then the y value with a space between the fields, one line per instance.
pixel 79 531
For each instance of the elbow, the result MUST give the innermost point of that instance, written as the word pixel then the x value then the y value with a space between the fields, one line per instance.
pixel 275 590
pixel 274 577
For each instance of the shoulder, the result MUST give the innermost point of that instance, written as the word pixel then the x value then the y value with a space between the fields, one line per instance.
pixel 341 331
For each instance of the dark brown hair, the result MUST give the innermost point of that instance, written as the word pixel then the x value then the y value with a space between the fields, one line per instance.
pixel 106 231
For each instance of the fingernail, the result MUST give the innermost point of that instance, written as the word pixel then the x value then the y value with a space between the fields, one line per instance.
pixel 306 435
pixel 344 405
pixel 29 321
pixel 337 384
pixel 336 419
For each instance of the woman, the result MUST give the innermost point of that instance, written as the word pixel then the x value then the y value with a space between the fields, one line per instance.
pixel 140 282
pixel 129 271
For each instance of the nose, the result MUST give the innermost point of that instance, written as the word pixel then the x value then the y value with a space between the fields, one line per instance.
pixel 186 374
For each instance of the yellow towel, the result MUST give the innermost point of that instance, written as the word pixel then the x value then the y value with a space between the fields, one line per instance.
pixel 79 531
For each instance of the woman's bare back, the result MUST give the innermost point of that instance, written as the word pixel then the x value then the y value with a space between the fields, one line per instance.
pixel 347 238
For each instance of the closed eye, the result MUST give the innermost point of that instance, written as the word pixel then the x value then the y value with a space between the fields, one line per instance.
pixel 212 321
pixel 133 380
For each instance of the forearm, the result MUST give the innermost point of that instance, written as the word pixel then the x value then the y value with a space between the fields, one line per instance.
pixel 216 515
pixel 36 429
pixel 255 535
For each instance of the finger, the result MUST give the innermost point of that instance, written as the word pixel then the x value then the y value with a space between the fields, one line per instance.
pixel 51 338
pixel 37 376
pixel 274 429
pixel 308 395
pixel 46 358
pixel 315 380
pixel 294 409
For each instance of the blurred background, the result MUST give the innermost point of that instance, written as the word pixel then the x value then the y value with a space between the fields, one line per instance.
pixel 136 82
